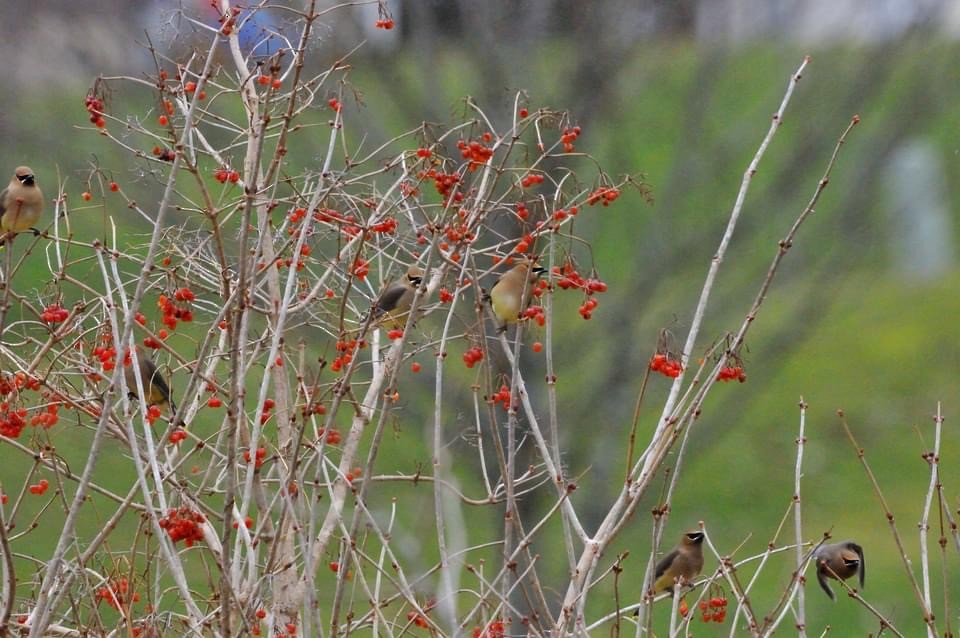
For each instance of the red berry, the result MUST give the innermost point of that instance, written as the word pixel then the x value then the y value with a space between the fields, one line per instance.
pixel 523 112
pixel 114 187
pixel 415 367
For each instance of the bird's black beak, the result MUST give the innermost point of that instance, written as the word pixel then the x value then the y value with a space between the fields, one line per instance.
pixel 695 537
pixel 26 180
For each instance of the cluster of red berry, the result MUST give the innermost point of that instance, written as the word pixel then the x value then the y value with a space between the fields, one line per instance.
pixel 190 87
pixel 570 279
pixel 714 610
pixel 179 311
pixel 493 629
pixel 606 196
pixel 729 373
pixel 424 152
pixel 177 435
pixel 524 244
pixel 166 154
pixel 274 82
pixel 473 356
pixel 268 405
pixel 569 136
pixel 258 456
pixel 225 174
pixel 332 437
pixel 346 348
pixel 535 313
pixel 459 231
pixel 443 182
pixel 560 214
pixel 117 594
pixel 384 23
pixel 503 396
pixel 587 307
pixel 247 522
pixel 54 313
pixel 107 356
pixel 531 179
pixel 387 227
pixel 39 488
pixel 361 268
pixel 418 619
pixel 17 382
pixel 445 295
pixel 475 151
pixel 94 106
pixel 47 418
pixel 183 524
pixel 12 421
pixel 665 364
pixel 153 413
pixel 281 262
pixel 354 474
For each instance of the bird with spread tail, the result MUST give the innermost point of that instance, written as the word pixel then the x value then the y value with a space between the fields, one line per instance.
pixel 393 303
pixel 839 561
pixel 681 565
pixel 155 387
pixel 511 294
pixel 21 202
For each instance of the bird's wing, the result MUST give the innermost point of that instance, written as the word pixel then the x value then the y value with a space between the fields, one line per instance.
pixel 863 565
pixel 155 379
pixel 822 579
pixel 664 563
pixel 388 299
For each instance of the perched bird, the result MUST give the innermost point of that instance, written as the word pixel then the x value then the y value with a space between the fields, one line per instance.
pixel 681 565
pixel 154 385
pixel 21 202
pixel 394 301
pixel 839 561
pixel 511 294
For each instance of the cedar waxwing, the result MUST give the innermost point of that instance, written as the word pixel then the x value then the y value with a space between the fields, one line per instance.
pixel 682 564
pixel 155 386
pixel 845 559
pixel 394 301
pixel 21 203
pixel 505 296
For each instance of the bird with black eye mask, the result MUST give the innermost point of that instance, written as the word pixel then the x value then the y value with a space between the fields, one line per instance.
pixel 21 203
pixel 681 565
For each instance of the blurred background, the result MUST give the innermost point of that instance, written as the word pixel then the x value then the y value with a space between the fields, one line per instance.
pixel 862 316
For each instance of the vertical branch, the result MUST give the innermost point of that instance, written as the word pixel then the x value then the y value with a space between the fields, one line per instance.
pixel 933 458
pixel 798 526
